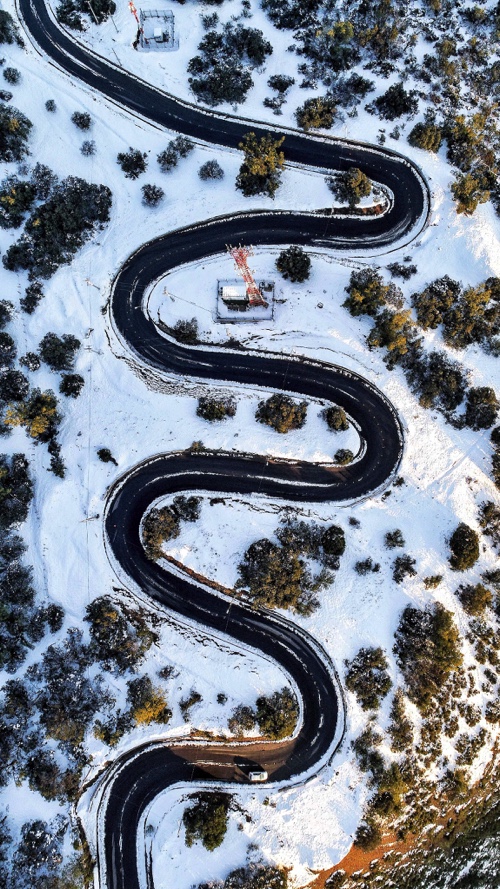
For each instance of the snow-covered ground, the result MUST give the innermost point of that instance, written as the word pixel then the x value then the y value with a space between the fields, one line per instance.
pixel 446 472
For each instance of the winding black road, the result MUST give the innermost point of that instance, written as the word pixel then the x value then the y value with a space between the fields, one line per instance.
pixel 137 778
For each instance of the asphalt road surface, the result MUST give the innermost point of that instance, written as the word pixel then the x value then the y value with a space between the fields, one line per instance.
pixel 137 778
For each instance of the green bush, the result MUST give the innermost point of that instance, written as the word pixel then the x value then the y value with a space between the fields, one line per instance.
pixel 294 264
pixel 206 820
pixel 277 714
pixel 400 729
pixel 336 419
pixel 282 413
pixel 71 385
pixel 59 352
pixel 464 545
pixel 396 102
pixel 316 113
pixel 163 524
pixel 120 636
pixel 253 876
pixel 147 703
pixel 427 136
pixel 185 331
pixel 367 677
pixel 260 172
pixel 481 408
pixel 211 408
pixel 82 120
pixel 368 836
pixel 366 291
pixel 16 199
pixel 350 186
pixel 343 456
pixel 211 170
pixel 133 162
pixel 277 577
pixel 475 598
pixel 394 539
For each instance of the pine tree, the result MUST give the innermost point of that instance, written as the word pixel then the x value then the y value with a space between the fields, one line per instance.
pixel 350 186
pixel 260 172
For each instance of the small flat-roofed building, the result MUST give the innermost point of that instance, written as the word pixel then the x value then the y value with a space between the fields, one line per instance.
pixel 157 31
pixel 234 293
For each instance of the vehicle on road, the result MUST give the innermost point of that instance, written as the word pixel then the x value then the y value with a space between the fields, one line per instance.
pixel 258 777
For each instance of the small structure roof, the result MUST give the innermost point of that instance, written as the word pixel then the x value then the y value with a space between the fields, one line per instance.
pixel 234 292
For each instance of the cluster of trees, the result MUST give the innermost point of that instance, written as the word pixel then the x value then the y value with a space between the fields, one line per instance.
pixel 276 575
pixel 164 523
pixel 212 408
pixel 56 229
pixel 221 71
pixel 470 315
pixel 282 413
pixel 120 636
pixel 50 709
pixel 427 650
pixel 59 353
pixel 260 172
pixel 9 32
pixel 34 410
pixel 438 380
pixel 206 820
pixel 275 715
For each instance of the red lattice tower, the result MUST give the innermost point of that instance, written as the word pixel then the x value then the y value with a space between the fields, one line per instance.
pixel 240 256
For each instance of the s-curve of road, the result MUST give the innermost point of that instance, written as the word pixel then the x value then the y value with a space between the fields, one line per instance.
pixel 135 779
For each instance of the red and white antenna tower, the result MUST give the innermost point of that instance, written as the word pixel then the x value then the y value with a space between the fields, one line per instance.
pixel 133 10
pixel 240 256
